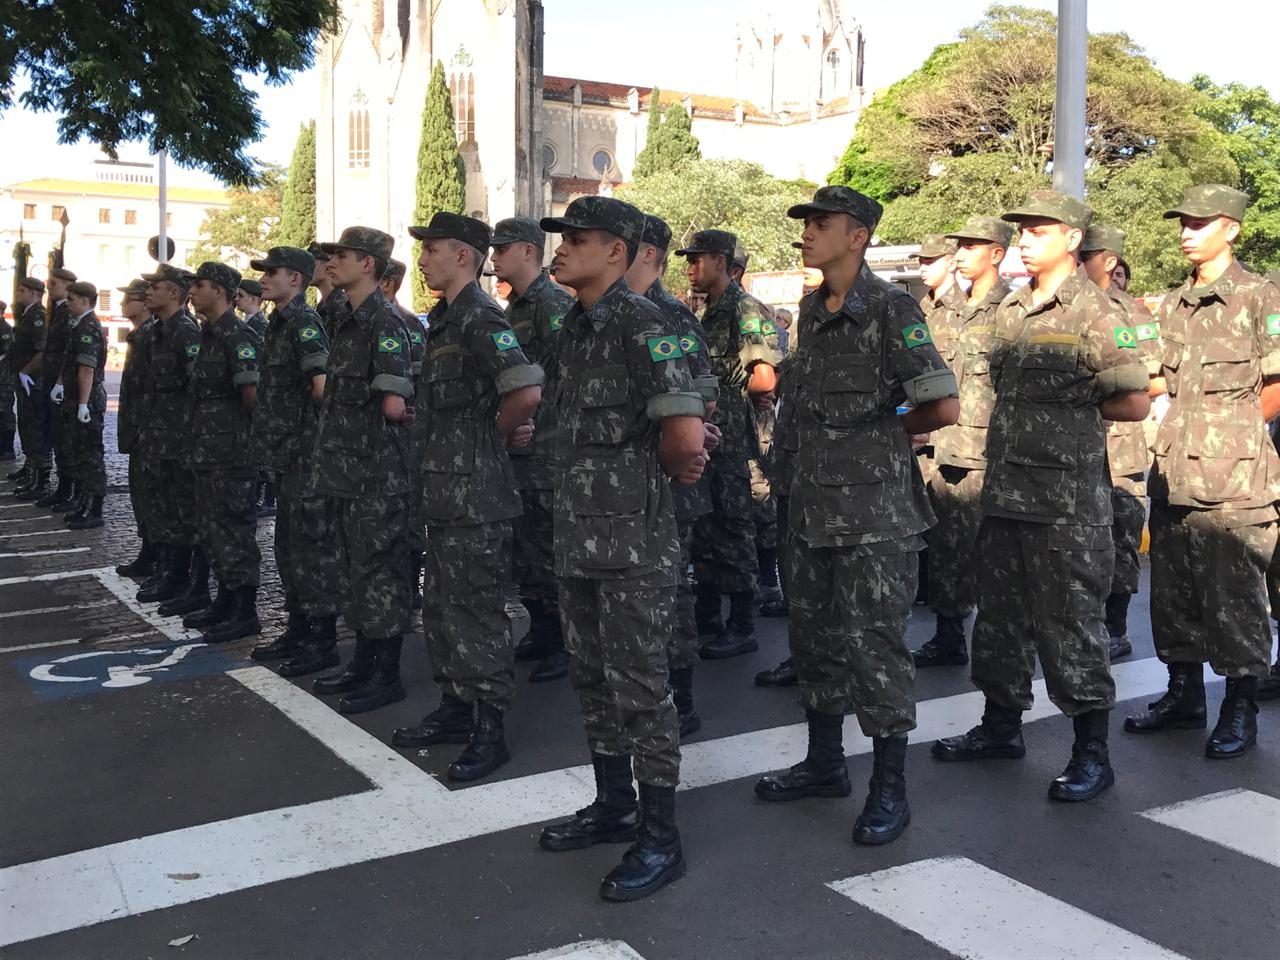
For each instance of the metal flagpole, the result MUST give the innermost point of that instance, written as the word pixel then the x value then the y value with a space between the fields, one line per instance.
pixel 1068 124
pixel 162 245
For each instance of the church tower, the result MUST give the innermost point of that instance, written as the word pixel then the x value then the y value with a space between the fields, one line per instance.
pixel 798 62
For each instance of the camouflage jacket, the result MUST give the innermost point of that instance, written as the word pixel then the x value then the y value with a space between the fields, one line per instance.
pixel 134 385
pixel 358 451
pixel 257 322
pixel 621 373
pixel 940 314
pixel 535 317
pixel 1053 366
pixel 226 361
pixel 56 343
pixel 854 478
pixel 1221 342
pixel 473 360
pixel 7 373
pixel 172 348
pixel 88 348
pixel 738 333
pixel 1128 456
pixel 29 336
pixel 971 335
pixel 330 308
pixel 285 416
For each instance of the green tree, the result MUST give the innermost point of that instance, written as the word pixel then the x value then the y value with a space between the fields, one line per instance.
pixel 442 181
pixel 728 195
pixel 298 207
pixel 170 73
pixel 669 140
pixel 247 228
pixel 971 131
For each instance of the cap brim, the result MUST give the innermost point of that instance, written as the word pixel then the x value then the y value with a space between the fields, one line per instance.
pixel 969 236
pixel 261 265
pixel 1197 212
pixel 560 225
pixel 424 233
pixel 505 241
pixel 802 210
pixel 1017 216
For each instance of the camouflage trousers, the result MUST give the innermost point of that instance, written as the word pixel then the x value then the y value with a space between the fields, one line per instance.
pixel 1209 589
pixel 849 612
pixel 61 418
pixel 170 497
pixel 724 540
pixel 88 465
pixel 417 524
pixel 534 556
pixel 227 527
pixel 1041 591
pixel 8 414
pixel 1273 584
pixel 956 494
pixel 464 612
pixel 784 542
pixel 373 547
pixel 306 547
pixel 683 647
pixel 617 633
pixel 764 512
pixel 31 427
pixel 1129 517
pixel 138 497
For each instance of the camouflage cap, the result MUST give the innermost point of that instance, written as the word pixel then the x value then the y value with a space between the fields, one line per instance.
pixel 711 241
pixel 1211 200
pixel 841 200
pixel 518 230
pixel 656 232
pixel 599 213
pixel 740 257
pixel 935 245
pixel 252 287
pixel 136 290
pixel 83 288
pixel 1052 205
pixel 317 252
pixel 228 278
pixel 32 283
pixel 1099 236
pixel 366 240
pixel 288 258
pixel 395 271
pixel 453 226
pixel 62 273
pixel 987 229
pixel 168 273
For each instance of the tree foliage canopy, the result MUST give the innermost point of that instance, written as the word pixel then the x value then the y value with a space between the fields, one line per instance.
pixel 247 228
pixel 170 73
pixel 298 206
pixel 669 141
pixel 442 180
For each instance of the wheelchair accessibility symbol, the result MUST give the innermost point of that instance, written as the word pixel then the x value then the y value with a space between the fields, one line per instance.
pixel 96 671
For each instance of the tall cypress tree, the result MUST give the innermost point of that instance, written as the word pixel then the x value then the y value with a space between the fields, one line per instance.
pixel 647 159
pixel 298 209
pixel 669 140
pixel 442 182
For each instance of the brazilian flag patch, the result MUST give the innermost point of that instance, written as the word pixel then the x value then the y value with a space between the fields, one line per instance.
pixel 1125 337
pixel 917 335
pixel 86 338
pixel 505 340
pixel 415 336
pixel 1273 325
pixel 557 321
pixel 1147 331
pixel 246 352
pixel 308 333
pixel 389 345
pixel 193 349
pixel 688 345
pixel 749 325
pixel 664 348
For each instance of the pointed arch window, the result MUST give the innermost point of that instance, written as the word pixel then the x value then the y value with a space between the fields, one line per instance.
pixel 462 91
pixel 358 139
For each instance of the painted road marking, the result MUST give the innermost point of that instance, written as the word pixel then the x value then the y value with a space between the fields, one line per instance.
pixel 36 646
pixel 42 553
pixel 62 643
pixel 979 914
pixel 1240 820
pixel 586 950
pixel 71 606
pixel 45 516
pixel 107 668
pixel 34 533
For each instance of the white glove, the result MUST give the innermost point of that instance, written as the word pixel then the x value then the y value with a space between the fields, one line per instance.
pixel 27 382
pixel 56 393
pixel 82 413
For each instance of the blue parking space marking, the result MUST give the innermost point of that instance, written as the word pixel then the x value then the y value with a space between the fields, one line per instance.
pixel 95 672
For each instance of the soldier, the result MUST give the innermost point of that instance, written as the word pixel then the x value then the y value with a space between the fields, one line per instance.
pixel 628 413
pixel 285 416
pixel 26 359
pixel 644 277
pixel 221 456
pixel 362 461
pixel 724 553
pixel 858 509
pixel 57 417
pixel 959 452
pixel 535 310
pixel 1216 480
pixel 82 376
pixel 132 401
pixel 478 389
pixel 331 297
pixel 1128 456
pixel 8 418
pixel 249 302
pixel 164 424
pixel 1064 359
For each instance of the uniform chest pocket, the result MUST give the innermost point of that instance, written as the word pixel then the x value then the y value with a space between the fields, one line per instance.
pixel 1048 370
pixel 449 388
pixel 1227 364
pixel 211 380
pixel 604 414
pixel 848 392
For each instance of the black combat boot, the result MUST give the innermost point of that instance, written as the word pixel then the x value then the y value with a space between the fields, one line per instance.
pixel 945 648
pixel 355 673
pixel 89 516
pixel 886 813
pixel 997 737
pixel 655 859
pixel 448 723
pixel 78 504
pixel 35 488
pixel 1089 772
pixel 318 650
pixel 610 818
pixel 783 675
pixel 170 578
pixel 554 664
pixel 19 477
pixel 266 500
pixel 143 564
pixel 288 643
pixel 195 592
pixel 213 613
pixel 162 563
pixel 707 610
pixel 1237 728
pixel 242 621
pixel 1182 706
pixel 1269 688
pixel 61 498
pixel 1118 645
pixel 682 693
pixel 535 644
pixel 772 601
pixel 383 686
pixel 486 747
pixel 822 773
pixel 739 634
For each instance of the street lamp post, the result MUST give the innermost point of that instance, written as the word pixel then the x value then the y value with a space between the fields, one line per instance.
pixel 1069 123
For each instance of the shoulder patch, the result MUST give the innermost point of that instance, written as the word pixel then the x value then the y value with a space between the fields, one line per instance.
pixel 557 321
pixel 664 348
pixel 1125 337
pixel 1273 325
pixel 193 349
pixel 1147 331
pixel 86 338
pixel 749 325
pixel 389 344
pixel 309 332
pixel 917 335
pixel 768 328
pixel 415 336
pixel 505 339
pixel 688 345
pixel 246 351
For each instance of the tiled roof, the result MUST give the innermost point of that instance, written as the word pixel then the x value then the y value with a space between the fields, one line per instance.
pixel 565 188
pixel 595 91
pixel 139 191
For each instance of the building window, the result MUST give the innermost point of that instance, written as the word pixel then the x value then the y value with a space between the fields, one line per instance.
pixel 104 301
pixel 28 211
pixel 104 214
pixel 129 253
pixel 549 159
pixel 57 213
pixel 131 217
pixel 462 91
pixel 601 162
pixel 358 139
pixel 168 218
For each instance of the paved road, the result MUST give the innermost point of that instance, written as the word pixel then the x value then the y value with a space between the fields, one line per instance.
pixel 156 790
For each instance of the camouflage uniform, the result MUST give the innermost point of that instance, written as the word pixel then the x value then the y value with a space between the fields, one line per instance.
pixel 417 339
pixel 29 339
pixel 258 323
pixel 58 418
pixel 8 379
pixel 88 348
pixel 221 453
pixel 858 506
pixel 939 314
pixel 133 399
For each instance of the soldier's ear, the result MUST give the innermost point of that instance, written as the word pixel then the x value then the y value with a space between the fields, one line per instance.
pixel 1233 230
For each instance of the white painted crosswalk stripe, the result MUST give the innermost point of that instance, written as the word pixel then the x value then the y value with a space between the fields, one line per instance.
pixel 586 950
pixel 1240 820
pixel 980 914
pixel 42 553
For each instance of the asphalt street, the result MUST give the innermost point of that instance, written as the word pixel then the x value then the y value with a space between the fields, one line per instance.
pixel 165 799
